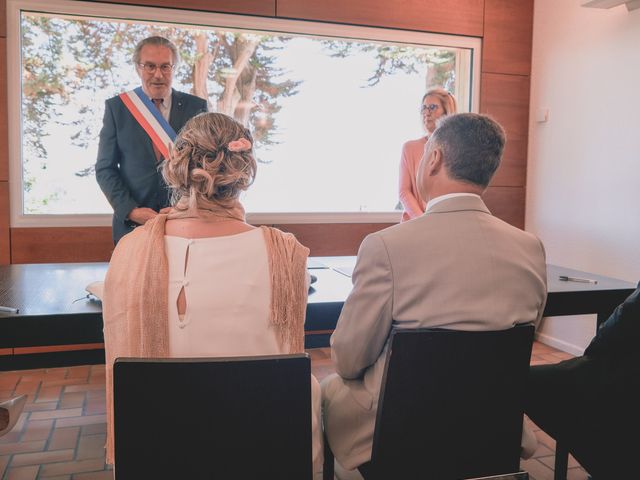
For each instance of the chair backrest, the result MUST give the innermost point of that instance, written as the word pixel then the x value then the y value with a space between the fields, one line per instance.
pixel 451 403
pixel 240 417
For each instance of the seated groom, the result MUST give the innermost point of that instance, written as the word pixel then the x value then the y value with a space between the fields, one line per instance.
pixel 455 267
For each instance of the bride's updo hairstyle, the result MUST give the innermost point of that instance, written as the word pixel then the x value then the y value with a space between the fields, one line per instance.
pixel 211 163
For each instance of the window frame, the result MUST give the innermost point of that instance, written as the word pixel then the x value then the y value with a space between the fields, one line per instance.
pixel 146 14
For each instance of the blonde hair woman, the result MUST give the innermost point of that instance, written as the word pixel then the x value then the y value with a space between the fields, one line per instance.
pixel 435 103
pixel 200 281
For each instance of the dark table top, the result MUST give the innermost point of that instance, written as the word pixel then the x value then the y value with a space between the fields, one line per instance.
pixel 39 289
pixel 50 288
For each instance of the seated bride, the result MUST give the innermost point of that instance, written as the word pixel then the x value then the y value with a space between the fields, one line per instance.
pixel 199 281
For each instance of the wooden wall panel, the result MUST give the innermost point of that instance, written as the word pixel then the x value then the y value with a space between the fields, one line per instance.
pixel 4 136
pixel 506 203
pixel 61 245
pixel 326 239
pixel 3 18
pixel 508 32
pixel 5 239
pixel 462 17
pixel 506 98
pixel 246 7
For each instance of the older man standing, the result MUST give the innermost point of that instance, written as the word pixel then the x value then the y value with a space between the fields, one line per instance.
pixel 137 129
pixel 455 267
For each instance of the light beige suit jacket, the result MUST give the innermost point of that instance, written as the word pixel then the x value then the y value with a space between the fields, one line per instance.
pixel 456 267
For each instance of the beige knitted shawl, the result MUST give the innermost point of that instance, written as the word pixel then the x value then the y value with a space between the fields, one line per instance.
pixel 135 303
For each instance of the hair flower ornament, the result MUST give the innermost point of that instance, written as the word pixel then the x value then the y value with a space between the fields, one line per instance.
pixel 240 145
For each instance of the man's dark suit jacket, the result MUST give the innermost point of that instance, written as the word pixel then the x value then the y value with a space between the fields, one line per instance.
pixel 592 403
pixel 126 168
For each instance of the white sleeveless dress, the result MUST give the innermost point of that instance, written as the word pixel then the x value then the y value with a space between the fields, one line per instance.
pixel 227 288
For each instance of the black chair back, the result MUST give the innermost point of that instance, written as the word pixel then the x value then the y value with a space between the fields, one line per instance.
pixel 206 418
pixel 451 404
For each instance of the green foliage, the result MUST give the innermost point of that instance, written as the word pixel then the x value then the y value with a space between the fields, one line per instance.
pixel 390 59
pixel 68 60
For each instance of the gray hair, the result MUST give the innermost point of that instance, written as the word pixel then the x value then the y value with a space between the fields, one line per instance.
pixel 471 145
pixel 158 41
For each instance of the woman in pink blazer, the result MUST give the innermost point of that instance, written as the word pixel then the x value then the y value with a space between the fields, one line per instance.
pixel 435 103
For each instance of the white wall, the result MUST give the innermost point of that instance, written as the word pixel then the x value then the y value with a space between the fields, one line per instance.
pixel 583 179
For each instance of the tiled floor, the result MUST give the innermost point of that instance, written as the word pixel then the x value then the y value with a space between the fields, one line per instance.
pixel 61 434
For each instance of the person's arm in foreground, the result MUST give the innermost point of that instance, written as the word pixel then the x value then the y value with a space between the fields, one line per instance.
pixel 365 321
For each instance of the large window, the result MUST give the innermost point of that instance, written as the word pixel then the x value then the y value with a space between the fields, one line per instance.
pixel 329 105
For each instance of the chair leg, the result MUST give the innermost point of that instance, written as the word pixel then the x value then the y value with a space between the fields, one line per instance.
pixel 327 469
pixel 562 459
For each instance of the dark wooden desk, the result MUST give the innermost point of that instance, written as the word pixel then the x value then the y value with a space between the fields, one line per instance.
pixel 564 297
pixel 57 325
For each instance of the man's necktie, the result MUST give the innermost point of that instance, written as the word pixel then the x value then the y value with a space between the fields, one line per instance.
pixel 157 102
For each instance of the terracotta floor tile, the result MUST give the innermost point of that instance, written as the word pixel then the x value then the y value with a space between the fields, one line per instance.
pixel 12 437
pixel 538 362
pixel 577 474
pixel 103 475
pixel 95 393
pixel 62 381
pixel 80 466
pixel 42 457
pixel 536 469
pixel 94 429
pixel 79 421
pixel 97 377
pixel 22 447
pixel 37 430
pixel 72 399
pixel 49 394
pixel 542 451
pixel 23 473
pixel 63 438
pixel 6 394
pixel 53 373
pixel 84 388
pixel 64 413
pixel 91 446
pixel 546 440
pixel 549 358
pixel 30 375
pixel 541 348
pixel 80 372
pixel 96 406
pixel 561 355
pixel 28 387
pixel 549 461
pixel 39 407
pixel 9 381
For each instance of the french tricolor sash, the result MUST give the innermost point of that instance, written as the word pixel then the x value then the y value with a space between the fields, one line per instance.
pixel 149 118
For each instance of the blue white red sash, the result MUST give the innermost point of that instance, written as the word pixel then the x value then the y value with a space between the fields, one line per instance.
pixel 149 118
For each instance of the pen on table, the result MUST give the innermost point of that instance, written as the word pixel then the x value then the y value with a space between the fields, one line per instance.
pixel 8 309
pixel 577 279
